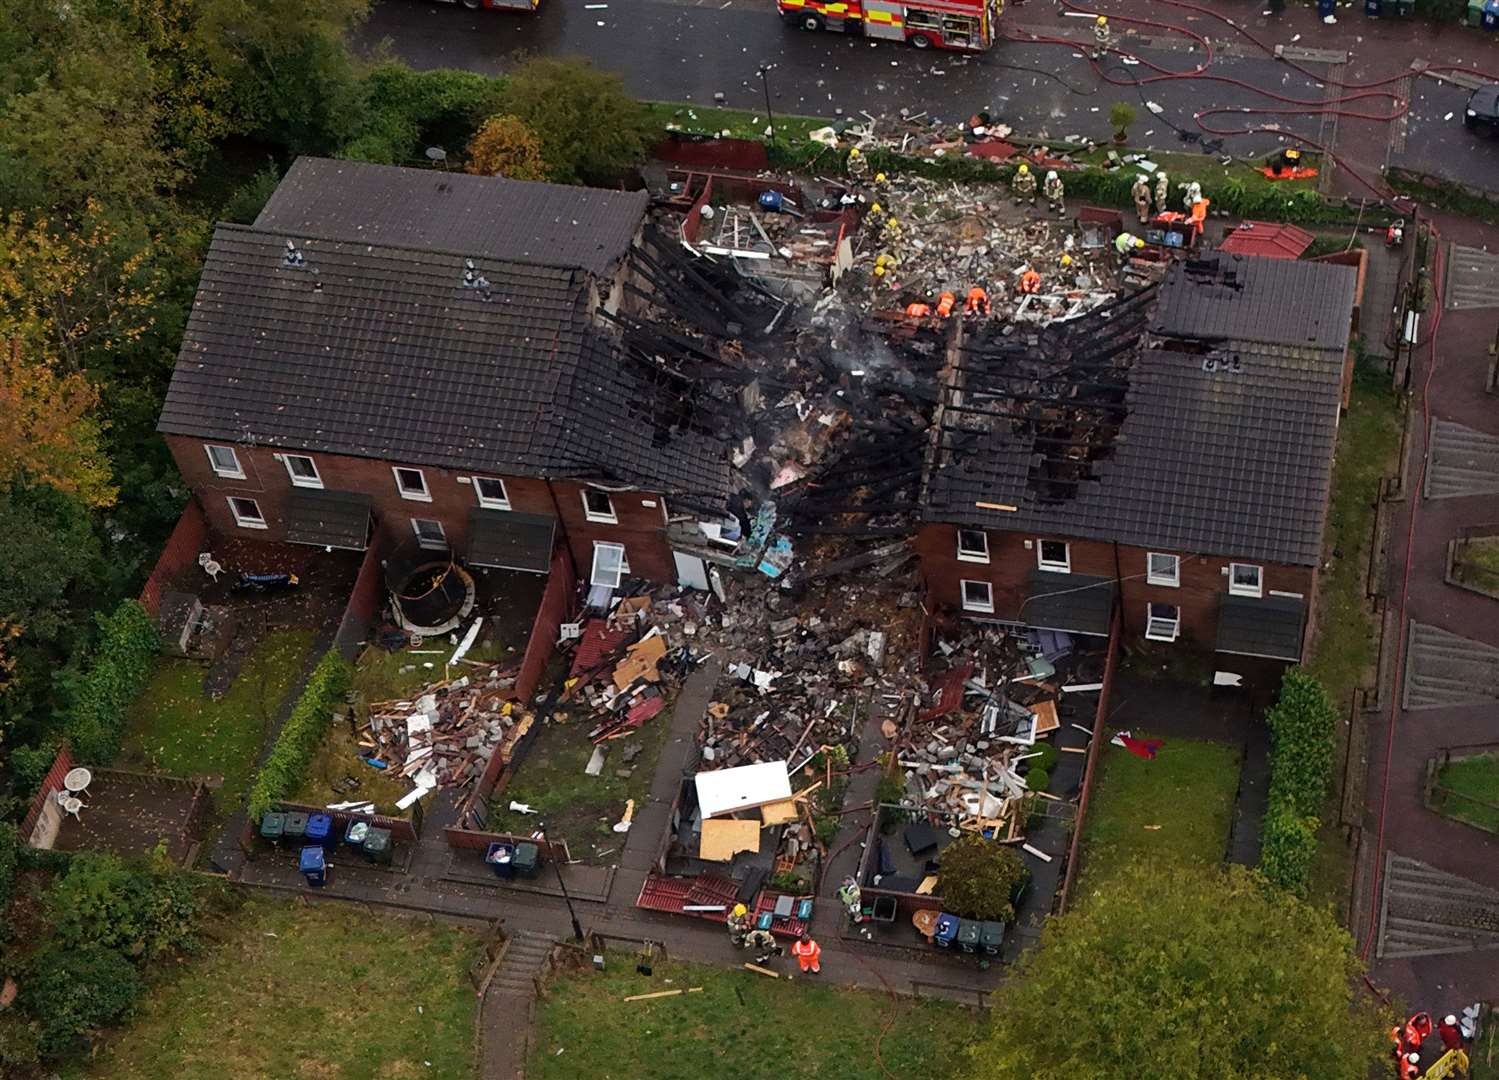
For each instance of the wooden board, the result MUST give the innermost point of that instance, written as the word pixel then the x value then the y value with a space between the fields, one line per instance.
pixel 1045 713
pixel 778 813
pixel 723 838
pixel 640 662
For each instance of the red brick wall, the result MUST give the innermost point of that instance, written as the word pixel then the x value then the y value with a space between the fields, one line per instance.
pixel 1096 747
pixel 1203 581
pixel 641 527
pixel 181 550
pixel 467 840
pixel 364 602
pixel 555 609
pixel 50 783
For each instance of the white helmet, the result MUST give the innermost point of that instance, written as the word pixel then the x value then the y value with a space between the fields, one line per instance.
pixel 1051 174
pixel 1450 1019
pixel 1160 175
pixel 1414 1059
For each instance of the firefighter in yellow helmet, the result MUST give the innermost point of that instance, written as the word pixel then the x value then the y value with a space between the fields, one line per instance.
pixel 739 925
pixel 1024 185
pixel 858 165
pixel 1101 36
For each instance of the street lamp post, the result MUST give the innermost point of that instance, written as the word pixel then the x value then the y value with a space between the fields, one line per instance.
pixel 567 899
pixel 765 83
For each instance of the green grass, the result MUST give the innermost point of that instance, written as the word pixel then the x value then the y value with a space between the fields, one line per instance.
pixel 289 990
pixel 740 124
pixel 1477 563
pixel 1343 653
pixel 174 728
pixel 1477 777
pixel 742 1024
pixel 579 808
pixel 1171 811
pixel 1207 169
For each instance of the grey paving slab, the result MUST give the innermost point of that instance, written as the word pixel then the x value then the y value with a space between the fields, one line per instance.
pixel 1425 911
pixel 1463 462
pixel 1445 669
pixel 1472 278
pixel 1435 141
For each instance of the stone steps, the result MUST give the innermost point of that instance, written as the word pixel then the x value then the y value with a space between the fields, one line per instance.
pixel 1444 669
pixel 1463 462
pixel 1425 911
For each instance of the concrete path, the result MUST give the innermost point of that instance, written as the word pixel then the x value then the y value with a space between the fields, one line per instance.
pixel 509 1005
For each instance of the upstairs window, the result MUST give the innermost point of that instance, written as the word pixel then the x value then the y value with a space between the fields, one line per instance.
pixel 597 506
pixel 973 546
pixel 412 484
pixel 1162 569
pixel 225 461
pixel 1246 579
pixel 491 492
pixel 1054 555
pixel 302 470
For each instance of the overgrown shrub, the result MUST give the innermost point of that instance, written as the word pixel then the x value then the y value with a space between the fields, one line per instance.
pixel 249 199
pixel 20 1042
pixel 1302 723
pixel 504 146
pixel 141 908
pixel 891 789
pixel 116 672
pixel 1288 844
pixel 9 855
pixel 302 734
pixel 406 111
pixel 977 878
pixel 72 992
pixel 28 764
pixel 591 130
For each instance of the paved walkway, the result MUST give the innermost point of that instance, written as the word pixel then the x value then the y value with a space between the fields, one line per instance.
pixel 1408 830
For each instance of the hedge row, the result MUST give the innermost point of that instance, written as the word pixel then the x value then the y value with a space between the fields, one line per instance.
pixel 115 673
pixel 301 735
pixel 1302 723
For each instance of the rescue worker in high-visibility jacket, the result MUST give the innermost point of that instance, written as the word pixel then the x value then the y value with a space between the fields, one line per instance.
pixel 918 310
pixel 764 945
pixel 739 925
pixel 858 167
pixel 1126 244
pixel 1140 192
pixel 1410 1066
pixel 1024 185
pixel 1101 36
pixel 808 954
pixel 977 302
pixel 1162 192
pixel 1055 193
pixel 1030 281
pixel 945 304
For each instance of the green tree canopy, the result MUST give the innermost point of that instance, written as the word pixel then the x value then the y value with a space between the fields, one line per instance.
pixel 978 877
pixel 591 129
pixel 1197 972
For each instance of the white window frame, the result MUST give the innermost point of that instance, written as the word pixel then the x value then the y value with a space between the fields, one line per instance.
pixel 257 522
pixel 1255 590
pixel 1063 567
pixel 489 501
pixel 425 495
pixel 440 543
pixel 980 607
pixel 313 481
pixel 622 570
pixel 236 473
pixel 971 554
pixel 611 518
pixel 1156 625
pixel 1152 577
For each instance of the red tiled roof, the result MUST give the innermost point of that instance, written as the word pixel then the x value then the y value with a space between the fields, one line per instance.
pixel 1271 240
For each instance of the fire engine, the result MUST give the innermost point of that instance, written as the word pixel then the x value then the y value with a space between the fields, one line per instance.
pixel 964 25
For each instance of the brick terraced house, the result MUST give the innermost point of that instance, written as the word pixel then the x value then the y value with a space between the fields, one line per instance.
pixel 419 354
pixel 1171 452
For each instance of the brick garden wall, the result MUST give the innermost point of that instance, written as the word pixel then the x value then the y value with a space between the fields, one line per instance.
pixel 1095 748
pixel 363 604
pixel 50 783
pixel 471 840
pixel 181 550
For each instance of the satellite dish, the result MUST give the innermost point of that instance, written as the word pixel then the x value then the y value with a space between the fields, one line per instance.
pixel 436 153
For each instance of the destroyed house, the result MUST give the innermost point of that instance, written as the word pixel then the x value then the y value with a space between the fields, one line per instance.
pixel 1170 453
pixel 425 356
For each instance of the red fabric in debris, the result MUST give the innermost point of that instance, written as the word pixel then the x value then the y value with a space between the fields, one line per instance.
pixel 644 710
pixel 598 642
pixel 950 696
pixel 1144 748
pixel 992 150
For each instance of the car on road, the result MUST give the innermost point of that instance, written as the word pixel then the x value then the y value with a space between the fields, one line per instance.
pixel 497 5
pixel 1482 113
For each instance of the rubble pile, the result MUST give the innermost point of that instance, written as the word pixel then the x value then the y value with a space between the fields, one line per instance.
pixel 444 736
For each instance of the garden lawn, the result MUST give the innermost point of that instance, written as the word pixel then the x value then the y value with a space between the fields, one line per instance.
pixel 293 990
pixel 1477 563
pixel 741 1024
pixel 700 120
pixel 1173 810
pixel 174 728
pixel 1476 777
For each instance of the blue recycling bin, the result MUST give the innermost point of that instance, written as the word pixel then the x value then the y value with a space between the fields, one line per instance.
pixel 320 830
pixel 356 832
pixel 314 866
pixel 501 859
pixel 1374 8
pixel 1491 14
pixel 1325 8
pixel 946 931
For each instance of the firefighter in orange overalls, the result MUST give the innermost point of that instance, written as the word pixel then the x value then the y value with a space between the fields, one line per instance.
pixel 808 954
pixel 1030 281
pixel 945 304
pixel 918 310
pixel 1410 1066
pixel 977 302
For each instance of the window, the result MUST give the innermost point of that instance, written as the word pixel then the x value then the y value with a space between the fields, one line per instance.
pixel 978 596
pixel 429 533
pixel 609 564
pixel 1163 569
pixel 973 546
pixel 302 471
pixel 412 484
pixel 491 492
pixel 597 506
pixel 225 461
pixel 246 513
pixel 1245 579
pixel 1053 555
pixel 1162 622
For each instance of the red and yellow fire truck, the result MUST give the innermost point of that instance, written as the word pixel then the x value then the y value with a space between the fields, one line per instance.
pixel 965 25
